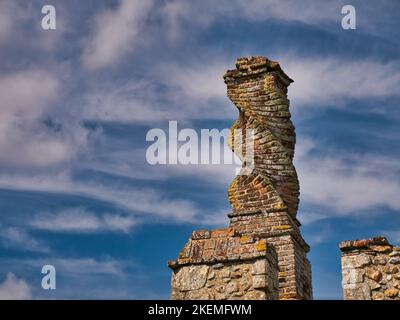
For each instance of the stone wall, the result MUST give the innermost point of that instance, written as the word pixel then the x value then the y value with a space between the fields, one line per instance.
pixel 265 200
pixel 221 265
pixel 370 270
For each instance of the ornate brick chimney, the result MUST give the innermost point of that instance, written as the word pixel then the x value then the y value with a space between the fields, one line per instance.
pixel 261 255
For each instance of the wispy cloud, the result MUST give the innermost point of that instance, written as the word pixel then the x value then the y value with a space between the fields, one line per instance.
pixel 83 221
pixel 326 81
pixel 346 184
pixel 77 267
pixel 20 239
pixel 7 9
pixel 167 92
pixel 309 217
pixel 179 15
pixel 144 201
pixel 115 32
pixel 88 277
pixel 25 139
pixel 13 288
pixel 196 91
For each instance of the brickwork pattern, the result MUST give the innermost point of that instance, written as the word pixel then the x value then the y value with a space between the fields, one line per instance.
pixel 258 89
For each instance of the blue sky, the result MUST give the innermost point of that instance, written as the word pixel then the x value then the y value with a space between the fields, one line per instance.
pixel 76 104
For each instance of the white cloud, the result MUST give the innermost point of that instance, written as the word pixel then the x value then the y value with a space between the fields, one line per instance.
pixel 319 81
pixel 178 15
pixel 15 16
pixel 346 184
pixel 13 288
pixel 322 235
pixel 197 91
pixel 144 201
pixel 6 21
pixel 307 217
pixel 115 33
pixel 341 184
pixel 331 180
pixel 306 11
pixel 14 237
pixel 130 102
pixel 69 266
pixel 81 220
pixel 329 81
pixel 27 98
pixel 87 277
pixel 193 91
pixel 84 266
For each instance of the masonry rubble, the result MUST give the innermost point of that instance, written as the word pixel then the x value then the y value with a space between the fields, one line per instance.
pixel 261 254
pixel 370 269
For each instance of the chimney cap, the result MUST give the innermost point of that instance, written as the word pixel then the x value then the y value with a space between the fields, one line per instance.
pixel 249 66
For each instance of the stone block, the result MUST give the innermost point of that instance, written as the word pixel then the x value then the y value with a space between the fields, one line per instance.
pixel 191 277
pixel 357 292
pixel 260 282
pixel 356 261
pixel 352 276
pixel 260 266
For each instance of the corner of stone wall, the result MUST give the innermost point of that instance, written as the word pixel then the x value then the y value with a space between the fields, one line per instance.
pixel 370 269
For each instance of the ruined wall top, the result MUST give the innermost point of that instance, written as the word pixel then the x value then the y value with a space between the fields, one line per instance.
pixel 370 269
pixel 221 245
pixel 377 243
